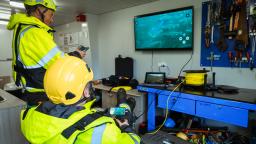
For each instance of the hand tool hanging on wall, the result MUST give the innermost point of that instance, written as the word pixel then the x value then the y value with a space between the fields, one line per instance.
pixel 230 19
pixel 241 26
pixel 215 16
pixel 238 59
pixel 252 31
pixel 221 44
pixel 208 27
pixel 237 10
pixel 248 57
pixel 230 57
pixel 212 32
pixel 240 56
pixel 248 54
pixel 224 14
pixel 233 21
pixel 216 9
pixel 212 59
pixel 253 41
pixel 224 10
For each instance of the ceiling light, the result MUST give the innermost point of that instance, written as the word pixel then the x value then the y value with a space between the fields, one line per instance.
pixel 17 4
pixel 5 16
pixel 84 24
pixel 3 22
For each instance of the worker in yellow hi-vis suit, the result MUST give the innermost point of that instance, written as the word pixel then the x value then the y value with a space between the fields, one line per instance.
pixel 34 49
pixel 68 117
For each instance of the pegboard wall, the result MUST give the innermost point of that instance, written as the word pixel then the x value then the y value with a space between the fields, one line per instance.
pixel 228 34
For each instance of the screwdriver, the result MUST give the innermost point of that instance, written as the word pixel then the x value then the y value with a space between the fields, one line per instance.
pixel 248 57
pixel 230 57
pixel 240 58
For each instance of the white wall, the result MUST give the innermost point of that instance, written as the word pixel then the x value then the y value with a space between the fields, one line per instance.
pixel 92 57
pixel 93 35
pixel 5 51
pixel 116 36
pixel 82 38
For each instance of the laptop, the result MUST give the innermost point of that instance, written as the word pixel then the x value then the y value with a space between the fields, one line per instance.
pixel 154 80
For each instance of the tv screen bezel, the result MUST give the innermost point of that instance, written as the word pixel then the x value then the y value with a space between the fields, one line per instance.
pixel 162 12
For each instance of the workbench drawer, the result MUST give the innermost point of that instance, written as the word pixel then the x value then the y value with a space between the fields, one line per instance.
pixel 177 104
pixel 222 113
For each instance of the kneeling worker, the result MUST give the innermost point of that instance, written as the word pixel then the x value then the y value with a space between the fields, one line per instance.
pixel 68 117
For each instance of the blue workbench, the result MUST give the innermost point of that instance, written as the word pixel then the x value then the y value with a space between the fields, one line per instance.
pixel 229 108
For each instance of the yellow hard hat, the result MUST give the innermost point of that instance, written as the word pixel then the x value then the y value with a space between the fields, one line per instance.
pixel 47 3
pixel 65 80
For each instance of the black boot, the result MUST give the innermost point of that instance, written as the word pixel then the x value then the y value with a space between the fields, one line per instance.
pixel 121 96
pixel 131 102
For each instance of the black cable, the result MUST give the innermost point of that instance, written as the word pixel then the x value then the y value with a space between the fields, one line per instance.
pixel 184 66
pixel 146 110
pixel 137 117
pixel 167 109
pixel 152 60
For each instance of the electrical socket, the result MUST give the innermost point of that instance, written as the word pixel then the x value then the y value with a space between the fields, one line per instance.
pixel 162 64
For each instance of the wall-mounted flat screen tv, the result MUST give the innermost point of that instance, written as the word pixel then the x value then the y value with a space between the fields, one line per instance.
pixel 165 30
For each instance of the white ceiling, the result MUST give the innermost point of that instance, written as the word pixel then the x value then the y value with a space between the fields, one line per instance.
pixel 68 9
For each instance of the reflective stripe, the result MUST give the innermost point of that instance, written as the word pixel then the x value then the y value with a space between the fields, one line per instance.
pixel 20 59
pixel 33 67
pixel 49 56
pixel 25 30
pixel 21 35
pixel 46 58
pixel 132 136
pixel 31 89
pixel 97 134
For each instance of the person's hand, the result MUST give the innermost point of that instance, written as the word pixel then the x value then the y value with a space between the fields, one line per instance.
pixel 82 53
pixel 122 123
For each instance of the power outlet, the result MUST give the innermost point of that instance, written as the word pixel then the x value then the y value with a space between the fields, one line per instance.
pixel 162 64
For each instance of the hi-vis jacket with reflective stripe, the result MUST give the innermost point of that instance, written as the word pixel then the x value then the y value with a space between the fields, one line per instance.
pixel 36 50
pixel 41 128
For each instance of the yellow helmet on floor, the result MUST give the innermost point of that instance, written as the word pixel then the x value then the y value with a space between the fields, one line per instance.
pixel 47 3
pixel 65 80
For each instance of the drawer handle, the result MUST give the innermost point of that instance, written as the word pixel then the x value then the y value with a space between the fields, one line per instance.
pixel 204 104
